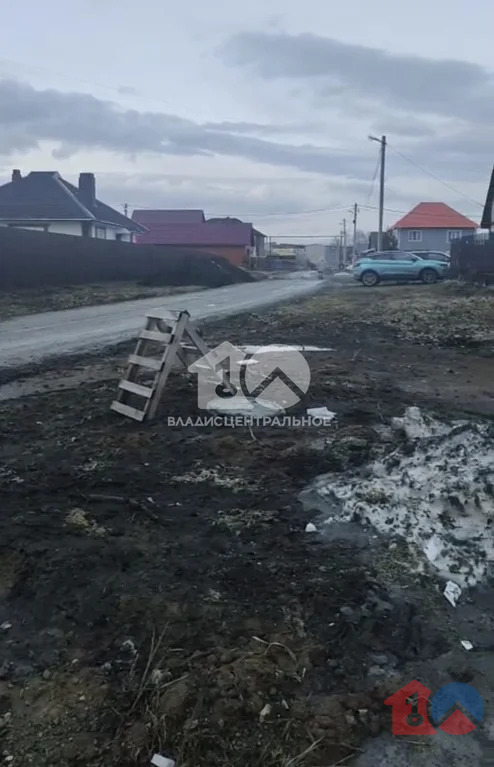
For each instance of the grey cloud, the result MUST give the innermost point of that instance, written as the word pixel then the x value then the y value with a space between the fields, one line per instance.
pixel 268 199
pixel 263 128
pixel 128 90
pixel 403 125
pixel 337 69
pixel 77 121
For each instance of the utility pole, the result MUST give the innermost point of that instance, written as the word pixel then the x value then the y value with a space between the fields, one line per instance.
pixel 344 241
pixel 126 209
pixel 382 142
pixel 355 214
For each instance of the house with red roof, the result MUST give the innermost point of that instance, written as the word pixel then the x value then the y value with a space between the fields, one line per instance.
pixel 432 226
pixel 237 241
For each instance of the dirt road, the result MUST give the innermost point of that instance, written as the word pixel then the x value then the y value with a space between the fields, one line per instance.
pixel 32 338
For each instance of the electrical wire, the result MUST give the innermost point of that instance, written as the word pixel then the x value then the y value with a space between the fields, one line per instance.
pixel 436 178
pixel 422 215
pixel 371 190
pixel 258 215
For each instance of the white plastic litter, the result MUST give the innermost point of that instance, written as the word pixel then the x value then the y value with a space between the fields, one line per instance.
pixel 265 712
pixel 162 761
pixel 452 592
pixel 466 644
pixel 310 528
pixel 321 412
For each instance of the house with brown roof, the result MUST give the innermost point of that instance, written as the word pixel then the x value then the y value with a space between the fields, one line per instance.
pixel 432 226
pixel 237 241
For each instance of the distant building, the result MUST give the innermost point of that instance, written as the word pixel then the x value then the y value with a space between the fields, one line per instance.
pixel 45 202
pixel 432 226
pixel 235 240
pixel 290 254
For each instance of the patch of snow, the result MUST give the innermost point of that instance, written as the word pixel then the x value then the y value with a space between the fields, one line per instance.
pixel 321 412
pixel 284 348
pixel 162 761
pixel 437 493
pixel 209 475
pixel 416 425
pixel 310 528
pixel 452 592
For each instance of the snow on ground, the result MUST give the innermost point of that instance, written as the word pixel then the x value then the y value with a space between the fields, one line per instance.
pixel 437 491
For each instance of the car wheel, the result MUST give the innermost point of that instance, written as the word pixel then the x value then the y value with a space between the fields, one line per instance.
pixel 428 276
pixel 369 278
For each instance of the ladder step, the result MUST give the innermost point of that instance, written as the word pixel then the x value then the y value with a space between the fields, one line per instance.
pixel 166 314
pixel 145 362
pixel 135 388
pixel 155 335
pixel 130 412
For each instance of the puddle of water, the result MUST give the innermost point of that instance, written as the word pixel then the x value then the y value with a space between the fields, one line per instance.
pixel 50 382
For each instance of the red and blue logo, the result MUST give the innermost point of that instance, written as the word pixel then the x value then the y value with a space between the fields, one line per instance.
pixel 456 709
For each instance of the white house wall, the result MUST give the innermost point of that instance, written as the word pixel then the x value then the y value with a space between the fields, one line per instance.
pixel 65 227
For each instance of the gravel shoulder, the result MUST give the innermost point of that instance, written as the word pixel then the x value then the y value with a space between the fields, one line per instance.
pixel 158 592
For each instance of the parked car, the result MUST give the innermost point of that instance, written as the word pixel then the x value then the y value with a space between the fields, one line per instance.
pixel 433 255
pixel 399 266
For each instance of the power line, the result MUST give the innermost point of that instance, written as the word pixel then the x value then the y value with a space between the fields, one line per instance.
pixel 258 215
pixel 371 190
pixel 440 181
pixel 422 215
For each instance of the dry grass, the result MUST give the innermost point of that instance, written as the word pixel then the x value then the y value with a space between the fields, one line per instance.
pixel 446 314
pixel 22 302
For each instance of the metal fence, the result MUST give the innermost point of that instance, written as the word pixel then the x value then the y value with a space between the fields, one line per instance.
pixel 472 258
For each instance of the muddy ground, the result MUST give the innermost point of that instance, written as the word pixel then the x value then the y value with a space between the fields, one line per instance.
pixel 158 592
pixel 50 299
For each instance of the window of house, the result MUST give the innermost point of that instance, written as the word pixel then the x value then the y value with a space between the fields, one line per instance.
pixel 454 234
pixel 100 232
pixel 415 235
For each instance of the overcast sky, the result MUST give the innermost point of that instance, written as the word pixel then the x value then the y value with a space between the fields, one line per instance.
pixel 258 113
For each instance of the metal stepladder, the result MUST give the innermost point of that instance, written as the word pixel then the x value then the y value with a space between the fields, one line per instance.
pixel 159 348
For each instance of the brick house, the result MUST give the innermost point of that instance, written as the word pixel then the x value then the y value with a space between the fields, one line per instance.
pixel 237 241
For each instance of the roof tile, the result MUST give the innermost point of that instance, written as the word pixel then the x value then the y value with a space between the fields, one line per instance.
pixel 434 215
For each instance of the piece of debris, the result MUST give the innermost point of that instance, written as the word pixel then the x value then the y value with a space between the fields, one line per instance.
pixel 162 761
pixel 310 528
pixel 265 712
pixel 129 645
pixel 79 519
pixel 466 644
pixel 6 626
pixel 452 592
pixel 321 412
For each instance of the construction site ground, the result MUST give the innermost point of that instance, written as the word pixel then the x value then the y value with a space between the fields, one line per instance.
pixel 158 591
